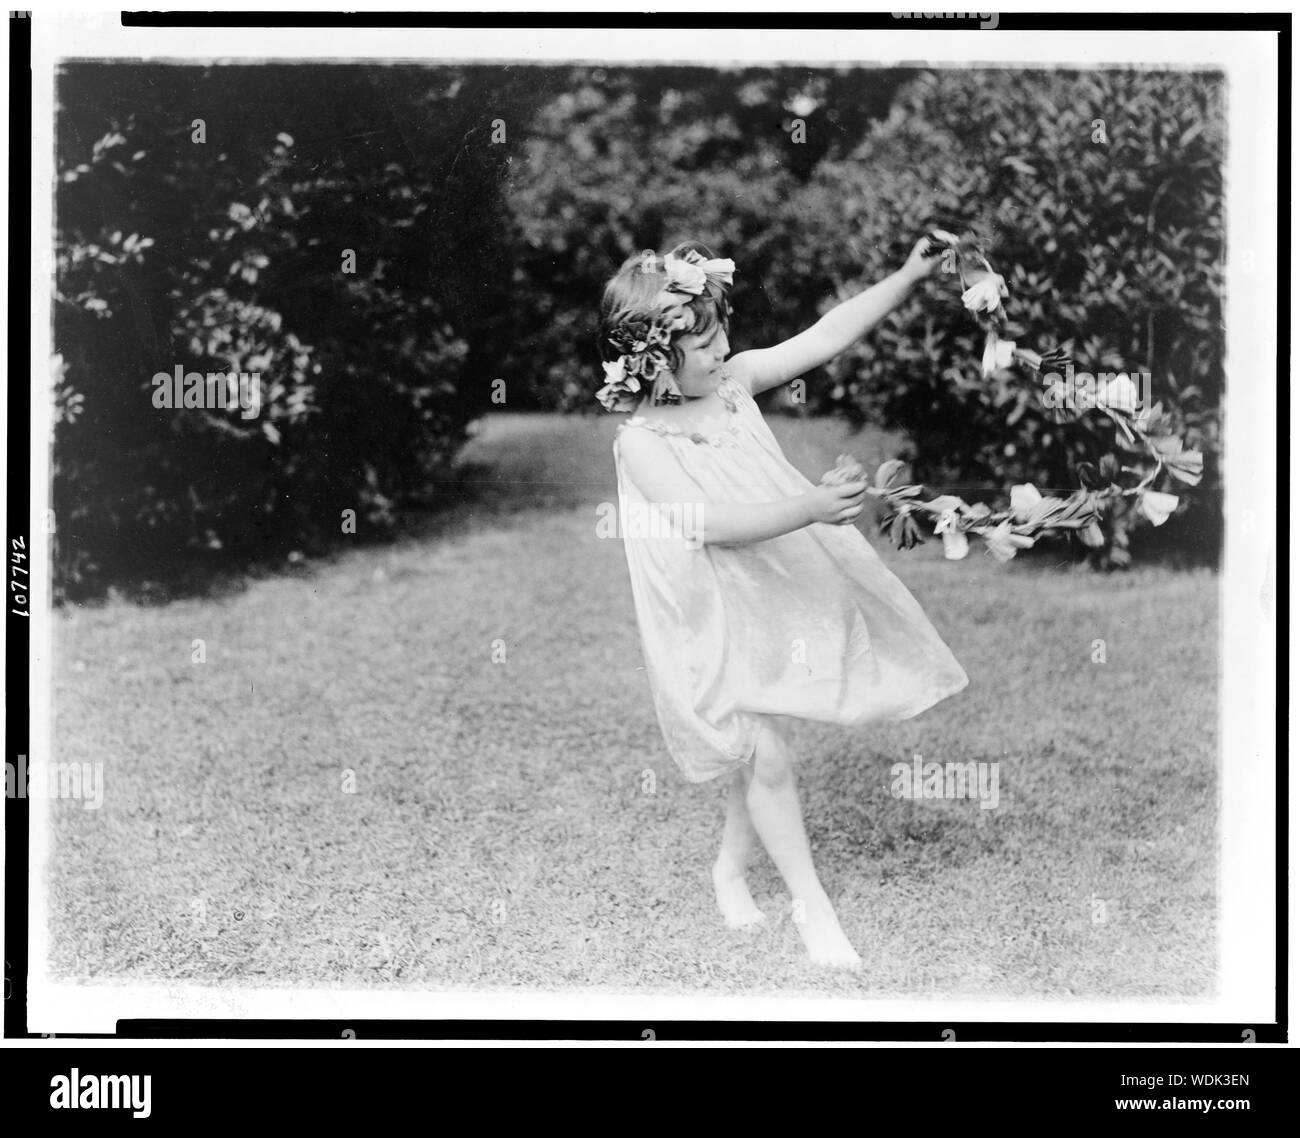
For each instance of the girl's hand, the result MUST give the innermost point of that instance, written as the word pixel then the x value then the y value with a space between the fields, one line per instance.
pixel 927 253
pixel 836 505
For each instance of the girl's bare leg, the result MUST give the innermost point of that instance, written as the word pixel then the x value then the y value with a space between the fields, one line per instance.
pixel 738 842
pixel 773 802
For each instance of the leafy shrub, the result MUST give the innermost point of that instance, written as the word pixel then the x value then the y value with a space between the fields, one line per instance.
pixel 1100 199
pixel 228 255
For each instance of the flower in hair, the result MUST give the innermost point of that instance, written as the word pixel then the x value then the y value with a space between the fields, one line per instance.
pixel 690 273
pixel 620 390
pixel 643 342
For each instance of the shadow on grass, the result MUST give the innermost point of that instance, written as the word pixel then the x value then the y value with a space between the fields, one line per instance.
pixel 458 505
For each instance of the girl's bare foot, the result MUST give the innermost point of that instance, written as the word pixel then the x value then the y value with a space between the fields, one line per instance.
pixel 822 936
pixel 734 899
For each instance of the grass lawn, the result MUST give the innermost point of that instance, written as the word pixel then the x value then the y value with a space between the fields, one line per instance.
pixel 500 832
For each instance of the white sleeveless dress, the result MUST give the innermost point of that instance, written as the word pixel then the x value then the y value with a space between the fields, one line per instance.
pixel 810 624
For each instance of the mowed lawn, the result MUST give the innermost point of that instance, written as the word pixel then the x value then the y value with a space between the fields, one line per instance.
pixel 352 791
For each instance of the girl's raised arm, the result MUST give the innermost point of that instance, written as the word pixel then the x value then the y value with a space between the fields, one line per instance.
pixel 840 328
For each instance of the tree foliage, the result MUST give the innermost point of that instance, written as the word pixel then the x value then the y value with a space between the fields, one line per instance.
pixel 221 245
pixel 1099 196
pixel 486 207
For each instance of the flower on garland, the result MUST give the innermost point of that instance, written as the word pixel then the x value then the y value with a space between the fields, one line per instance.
pixel 986 292
pixel 846 469
pixel 998 354
pixel 1003 543
pixel 1119 394
pixel 955 543
pixel 983 290
pixel 1158 506
pixel 1024 499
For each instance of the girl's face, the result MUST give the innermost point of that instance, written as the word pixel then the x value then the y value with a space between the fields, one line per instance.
pixel 702 358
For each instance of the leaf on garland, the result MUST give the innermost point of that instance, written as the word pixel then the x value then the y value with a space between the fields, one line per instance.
pixel 1187 466
pixel 1153 421
pixel 1058 359
pixel 1051 512
pixel 903 531
pixel 1167 447
pixel 890 471
pixel 1091 536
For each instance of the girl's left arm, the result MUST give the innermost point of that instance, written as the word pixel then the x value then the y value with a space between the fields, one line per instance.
pixel 839 329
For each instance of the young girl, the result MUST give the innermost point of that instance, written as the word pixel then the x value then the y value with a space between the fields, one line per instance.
pixel 773 604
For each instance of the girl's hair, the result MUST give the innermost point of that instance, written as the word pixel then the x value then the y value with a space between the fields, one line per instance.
pixel 630 297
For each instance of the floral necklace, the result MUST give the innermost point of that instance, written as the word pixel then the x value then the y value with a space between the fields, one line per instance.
pixel 726 394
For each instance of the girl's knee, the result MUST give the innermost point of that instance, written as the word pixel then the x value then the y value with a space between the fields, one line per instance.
pixel 773 766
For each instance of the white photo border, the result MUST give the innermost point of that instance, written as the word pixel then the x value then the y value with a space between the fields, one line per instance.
pixel 1247 915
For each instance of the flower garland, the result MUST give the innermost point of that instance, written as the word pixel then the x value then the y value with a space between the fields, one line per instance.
pixel 1030 515
pixel 643 342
